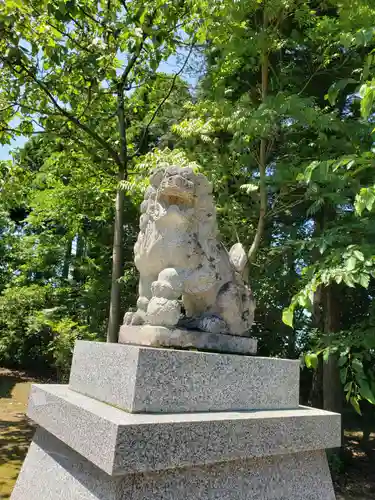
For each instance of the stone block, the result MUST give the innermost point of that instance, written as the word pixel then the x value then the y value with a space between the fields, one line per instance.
pixel 53 471
pixel 119 443
pixel 160 336
pixel 143 379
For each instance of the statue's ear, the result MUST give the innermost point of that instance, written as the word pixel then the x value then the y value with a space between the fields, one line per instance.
pixel 202 185
pixel 157 176
pixel 238 258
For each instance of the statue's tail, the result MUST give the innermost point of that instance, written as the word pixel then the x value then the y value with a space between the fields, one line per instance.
pixel 239 260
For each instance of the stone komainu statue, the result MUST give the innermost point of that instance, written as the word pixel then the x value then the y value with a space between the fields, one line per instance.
pixel 187 277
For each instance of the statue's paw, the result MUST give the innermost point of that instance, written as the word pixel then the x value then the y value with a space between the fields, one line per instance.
pixel 212 324
pixel 134 318
pixel 205 323
pixel 138 318
pixel 128 318
pixel 163 312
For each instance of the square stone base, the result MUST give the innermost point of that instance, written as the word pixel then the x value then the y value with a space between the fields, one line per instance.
pixel 160 336
pixel 142 379
pixel 53 471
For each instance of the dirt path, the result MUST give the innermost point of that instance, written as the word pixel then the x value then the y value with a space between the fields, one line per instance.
pixel 357 481
pixel 15 430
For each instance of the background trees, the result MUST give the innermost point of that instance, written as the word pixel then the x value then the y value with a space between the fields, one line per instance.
pixel 69 68
pixel 280 120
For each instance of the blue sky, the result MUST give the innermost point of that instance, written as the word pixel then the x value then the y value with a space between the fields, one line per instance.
pixel 6 150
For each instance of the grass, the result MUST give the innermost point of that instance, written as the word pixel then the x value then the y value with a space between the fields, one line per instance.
pixel 15 430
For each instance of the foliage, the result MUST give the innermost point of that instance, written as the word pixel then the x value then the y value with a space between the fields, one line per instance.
pixel 63 333
pixel 58 211
pixel 85 71
pixel 281 121
pixel 18 344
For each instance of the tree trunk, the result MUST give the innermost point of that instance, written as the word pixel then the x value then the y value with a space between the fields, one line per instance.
pixel 67 259
pixel 117 264
pixel 80 247
pixel 316 394
pixel 332 387
pixel 262 160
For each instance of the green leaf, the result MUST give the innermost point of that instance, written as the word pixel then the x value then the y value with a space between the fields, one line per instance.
pixel 311 360
pixel 15 3
pixel 365 199
pixel 355 404
pixel 349 281
pixel 288 317
pixel 367 100
pixel 336 87
pixel 365 391
pixel 323 247
pixel 351 263
pixel 364 280
pixel 359 255
pixel 308 360
pixel 348 386
pixel 326 354
pixel 357 365
pixel 249 188
pixel 342 360
pixel 343 375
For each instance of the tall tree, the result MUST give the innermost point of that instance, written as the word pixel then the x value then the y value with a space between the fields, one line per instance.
pixel 61 60
pixel 278 120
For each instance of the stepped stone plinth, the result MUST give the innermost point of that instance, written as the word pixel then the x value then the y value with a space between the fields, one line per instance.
pixel 143 423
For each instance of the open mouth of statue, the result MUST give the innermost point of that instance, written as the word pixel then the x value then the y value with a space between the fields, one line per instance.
pixel 176 191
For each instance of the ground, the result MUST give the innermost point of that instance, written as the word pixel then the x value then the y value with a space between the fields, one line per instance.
pixel 356 482
pixel 15 430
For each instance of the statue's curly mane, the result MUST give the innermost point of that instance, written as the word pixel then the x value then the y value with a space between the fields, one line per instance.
pixel 198 207
pixel 180 257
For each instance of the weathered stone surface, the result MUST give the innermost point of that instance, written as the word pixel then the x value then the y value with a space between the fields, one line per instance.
pixel 53 471
pixel 178 255
pixel 119 443
pixel 160 336
pixel 143 379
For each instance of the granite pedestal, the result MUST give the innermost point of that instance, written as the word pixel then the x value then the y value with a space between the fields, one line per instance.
pixel 139 423
pixel 178 338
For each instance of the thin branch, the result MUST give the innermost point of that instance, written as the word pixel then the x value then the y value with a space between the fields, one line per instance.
pixel 163 101
pixel 11 106
pixel 79 25
pixel 133 60
pixel 97 21
pixel 262 159
pixel 123 3
pixel 68 35
pixel 89 101
pixel 89 150
pixel 270 146
pixel 284 207
pixel 309 80
pixel 71 117
pixel 18 131
pixel 37 124
pixel 35 110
